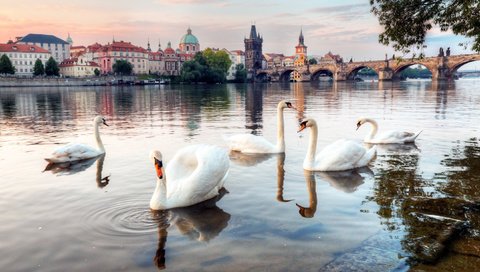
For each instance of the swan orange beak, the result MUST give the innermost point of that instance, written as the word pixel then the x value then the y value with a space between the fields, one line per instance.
pixel 158 168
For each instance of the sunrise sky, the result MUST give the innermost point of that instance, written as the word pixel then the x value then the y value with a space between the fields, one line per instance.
pixel 345 27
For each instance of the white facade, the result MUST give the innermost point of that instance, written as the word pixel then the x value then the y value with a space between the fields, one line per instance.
pixel 23 57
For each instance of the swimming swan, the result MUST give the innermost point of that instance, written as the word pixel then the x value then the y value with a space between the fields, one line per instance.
pixel 387 137
pixel 338 156
pixel 76 152
pixel 195 174
pixel 249 143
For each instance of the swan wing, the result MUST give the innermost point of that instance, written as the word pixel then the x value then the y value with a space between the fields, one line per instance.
pixel 195 174
pixel 73 152
pixel 339 155
pixel 249 143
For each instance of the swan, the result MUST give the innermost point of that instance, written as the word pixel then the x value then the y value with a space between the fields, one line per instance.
pixel 387 137
pixel 195 174
pixel 249 143
pixel 338 156
pixel 76 151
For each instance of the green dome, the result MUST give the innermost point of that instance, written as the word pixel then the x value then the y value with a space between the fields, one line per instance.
pixel 189 38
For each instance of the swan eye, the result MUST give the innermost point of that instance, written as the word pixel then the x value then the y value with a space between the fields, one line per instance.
pixel 289 105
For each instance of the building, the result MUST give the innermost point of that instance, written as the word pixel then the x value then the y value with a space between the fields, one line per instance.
pixel 78 66
pixel 156 63
pixel 253 52
pixel 108 54
pixel 172 61
pixel 331 58
pixel 76 51
pixel 23 56
pixel 189 45
pixel 236 57
pixel 58 48
pixel 300 52
pixel 274 60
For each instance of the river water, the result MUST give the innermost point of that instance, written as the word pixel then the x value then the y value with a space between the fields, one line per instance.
pixel 415 207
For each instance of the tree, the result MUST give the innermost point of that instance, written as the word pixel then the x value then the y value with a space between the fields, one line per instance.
pixel 122 67
pixel 208 66
pixel 312 61
pixel 38 68
pixel 240 73
pixel 406 22
pixel 51 67
pixel 96 72
pixel 6 66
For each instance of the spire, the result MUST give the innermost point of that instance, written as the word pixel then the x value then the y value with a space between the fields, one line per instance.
pixel 253 32
pixel 169 45
pixel 189 31
pixel 113 40
pixel 300 38
pixel 159 46
pixel 148 46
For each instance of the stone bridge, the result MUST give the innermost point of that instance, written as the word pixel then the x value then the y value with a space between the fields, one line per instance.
pixel 442 68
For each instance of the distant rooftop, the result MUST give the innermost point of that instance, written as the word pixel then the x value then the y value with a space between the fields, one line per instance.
pixel 42 38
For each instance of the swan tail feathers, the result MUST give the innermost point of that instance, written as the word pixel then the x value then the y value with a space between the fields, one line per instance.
pixel 369 156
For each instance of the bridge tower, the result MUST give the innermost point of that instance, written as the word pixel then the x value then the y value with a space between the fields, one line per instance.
pixel 253 53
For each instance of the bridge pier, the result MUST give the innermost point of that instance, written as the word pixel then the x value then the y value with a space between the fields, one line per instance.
pixel 385 74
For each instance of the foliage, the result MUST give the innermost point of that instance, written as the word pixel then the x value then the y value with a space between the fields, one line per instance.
pixel 406 22
pixel 51 67
pixel 122 67
pixel 6 66
pixel 240 73
pixel 208 66
pixel 96 72
pixel 38 68
pixel 417 72
pixel 312 61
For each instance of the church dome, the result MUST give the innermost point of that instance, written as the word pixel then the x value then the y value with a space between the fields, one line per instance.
pixel 189 38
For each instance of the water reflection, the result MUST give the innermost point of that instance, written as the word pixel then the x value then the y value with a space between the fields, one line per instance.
pixel 309 212
pixel 345 181
pixel 70 168
pixel 254 108
pixel 394 148
pixel 201 222
pixel 244 159
pixel 281 177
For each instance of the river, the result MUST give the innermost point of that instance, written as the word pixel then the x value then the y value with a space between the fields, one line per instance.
pixel 415 207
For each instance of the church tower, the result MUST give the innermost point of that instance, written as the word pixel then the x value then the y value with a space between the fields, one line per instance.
pixel 253 52
pixel 300 51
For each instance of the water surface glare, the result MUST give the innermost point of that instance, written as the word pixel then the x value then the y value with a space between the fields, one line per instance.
pixel 416 206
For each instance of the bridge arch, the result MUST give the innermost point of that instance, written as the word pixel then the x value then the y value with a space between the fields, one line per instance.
pixel 321 72
pixel 262 77
pixel 285 75
pixel 351 75
pixel 457 66
pixel 397 73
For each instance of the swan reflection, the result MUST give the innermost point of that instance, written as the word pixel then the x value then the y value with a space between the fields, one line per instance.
pixel 281 177
pixel 73 167
pixel 345 181
pixel 201 222
pixel 309 212
pixel 249 159
pixel 397 148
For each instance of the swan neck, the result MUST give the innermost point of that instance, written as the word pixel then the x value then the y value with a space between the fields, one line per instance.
pixel 373 132
pixel 312 148
pixel 159 198
pixel 98 140
pixel 280 130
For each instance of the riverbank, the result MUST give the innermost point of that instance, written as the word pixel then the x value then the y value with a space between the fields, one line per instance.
pixel 65 82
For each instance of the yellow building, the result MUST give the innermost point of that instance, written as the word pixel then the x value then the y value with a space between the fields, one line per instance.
pixel 78 67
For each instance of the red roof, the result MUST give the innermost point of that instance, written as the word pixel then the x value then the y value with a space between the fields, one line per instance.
pixel 169 50
pixel 122 46
pixel 73 62
pixel 77 47
pixel 24 48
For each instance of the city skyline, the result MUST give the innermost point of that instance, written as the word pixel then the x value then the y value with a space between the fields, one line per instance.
pixel 346 28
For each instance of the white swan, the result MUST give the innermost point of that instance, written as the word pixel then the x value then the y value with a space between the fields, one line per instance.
pixel 195 174
pixel 387 137
pixel 76 152
pixel 338 156
pixel 249 143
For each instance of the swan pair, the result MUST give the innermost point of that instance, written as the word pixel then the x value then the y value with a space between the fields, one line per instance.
pixel 339 156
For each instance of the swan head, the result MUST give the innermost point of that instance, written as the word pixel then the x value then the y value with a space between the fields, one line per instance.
pixel 285 104
pixel 307 123
pixel 156 158
pixel 100 120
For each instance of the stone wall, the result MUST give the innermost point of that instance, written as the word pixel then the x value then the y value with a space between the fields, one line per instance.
pixel 61 82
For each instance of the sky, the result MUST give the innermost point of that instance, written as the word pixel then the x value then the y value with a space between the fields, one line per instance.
pixel 344 27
